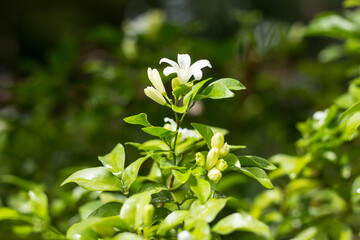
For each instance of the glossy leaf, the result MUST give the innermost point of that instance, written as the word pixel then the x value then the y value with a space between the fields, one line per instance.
pixel 254 161
pixel 95 179
pixel 181 177
pixel 352 125
pixel 201 230
pixel 158 131
pixel 139 119
pixel 201 188
pixel 115 160
pixel 215 90
pixel 131 172
pixel 241 222
pixel 159 192
pixel 172 220
pixel 207 211
pixel 107 210
pixel 83 230
pixel 205 132
pixel 230 83
pixel 127 236
pixel 108 226
pixel 259 175
pixel 233 162
pixel 132 212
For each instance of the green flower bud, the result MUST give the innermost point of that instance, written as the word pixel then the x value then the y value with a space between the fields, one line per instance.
pixel 149 213
pixel 217 141
pixel 214 175
pixel 155 95
pixel 224 150
pixel 212 158
pixel 221 165
pixel 200 159
pixel 175 82
pixel 155 79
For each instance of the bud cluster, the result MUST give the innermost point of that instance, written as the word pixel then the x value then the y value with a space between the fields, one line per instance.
pixel 214 163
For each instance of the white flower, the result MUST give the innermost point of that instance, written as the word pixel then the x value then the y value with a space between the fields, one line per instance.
pixel 184 235
pixel 183 132
pixel 155 79
pixel 155 95
pixel 320 116
pixel 183 69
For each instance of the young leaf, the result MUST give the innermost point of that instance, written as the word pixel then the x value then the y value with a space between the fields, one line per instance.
pixel 201 188
pixel 158 131
pixel 205 132
pixel 215 91
pixel 95 179
pixel 107 210
pixel 115 160
pixel 230 83
pixel 259 175
pixel 131 172
pixel 207 211
pixel 140 119
pixel 132 212
pixel 254 161
pixel 352 125
pixel 172 220
pixel 241 222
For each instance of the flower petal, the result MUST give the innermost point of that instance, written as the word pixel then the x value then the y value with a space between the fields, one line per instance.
pixel 184 76
pixel 197 74
pixel 169 70
pixel 200 64
pixel 171 62
pixel 184 61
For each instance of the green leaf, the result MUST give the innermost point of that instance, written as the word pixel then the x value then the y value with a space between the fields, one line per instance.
pixel 107 210
pixel 355 191
pixel 259 175
pixel 127 236
pixel 351 111
pixel 160 213
pixel 351 3
pixel 352 125
pixel 233 162
pixel 230 83
pixel 200 230
pixel 205 132
pixel 159 192
pixel 201 188
pixel 181 90
pixel 39 204
pixel 132 212
pixel 108 226
pixel 236 147
pixel 332 25
pixel 158 132
pixel 140 119
pixel 8 214
pixel 172 220
pixel 254 161
pixel 86 209
pixel 215 90
pixel 241 222
pixel 83 230
pixel 131 172
pixel 115 160
pixel 207 211
pixel 95 179
pixel 180 177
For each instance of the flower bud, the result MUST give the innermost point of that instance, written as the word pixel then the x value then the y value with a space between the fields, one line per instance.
pixel 167 126
pixel 212 158
pixel 214 175
pixel 217 141
pixel 155 95
pixel 200 159
pixel 148 214
pixel 221 165
pixel 155 79
pixel 184 235
pixel 175 82
pixel 224 150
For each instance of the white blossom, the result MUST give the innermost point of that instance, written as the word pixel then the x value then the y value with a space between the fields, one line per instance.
pixel 155 95
pixel 184 235
pixel 184 133
pixel 155 79
pixel 184 69
pixel 320 116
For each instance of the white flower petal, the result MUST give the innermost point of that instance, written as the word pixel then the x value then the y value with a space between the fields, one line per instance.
pixel 184 76
pixel 173 124
pixel 169 70
pixel 197 74
pixel 200 64
pixel 184 61
pixel 171 62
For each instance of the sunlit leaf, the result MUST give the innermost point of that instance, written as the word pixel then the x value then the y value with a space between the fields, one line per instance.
pixel 115 160
pixel 139 119
pixel 259 175
pixel 172 220
pixel 131 172
pixel 216 91
pixel 207 211
pixel 205 132
pixel 230 83
pixel 241 222
pixel 107 210
pixel 254 161
pixel 95 179
pixel 201 188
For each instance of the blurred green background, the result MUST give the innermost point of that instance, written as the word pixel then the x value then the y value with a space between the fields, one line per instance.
pixel 70 71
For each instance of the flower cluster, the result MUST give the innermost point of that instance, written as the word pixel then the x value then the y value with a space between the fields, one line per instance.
pixel 184 71
pixel 214 163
